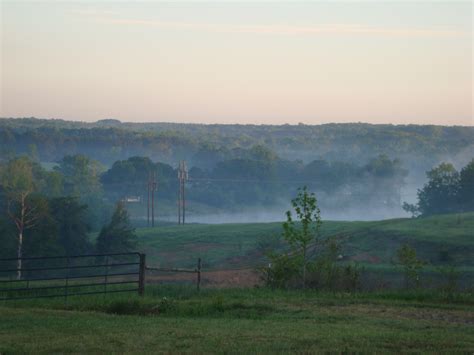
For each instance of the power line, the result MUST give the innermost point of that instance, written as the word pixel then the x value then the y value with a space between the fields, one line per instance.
pixel 127 184
pixel 190 179
pixel 183 177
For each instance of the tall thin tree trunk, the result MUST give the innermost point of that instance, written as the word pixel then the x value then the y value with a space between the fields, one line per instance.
pixel 19 255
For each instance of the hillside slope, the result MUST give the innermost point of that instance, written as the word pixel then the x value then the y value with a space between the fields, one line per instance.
pixel 440 240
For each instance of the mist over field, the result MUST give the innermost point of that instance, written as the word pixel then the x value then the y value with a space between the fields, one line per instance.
pixel 245 173
pixel 277 214
pixel 236 177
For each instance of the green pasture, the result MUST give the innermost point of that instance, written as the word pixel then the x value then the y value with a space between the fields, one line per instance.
pixel 172 319
pixel 439 240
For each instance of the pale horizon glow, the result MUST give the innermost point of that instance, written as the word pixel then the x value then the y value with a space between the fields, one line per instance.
pixel 249 63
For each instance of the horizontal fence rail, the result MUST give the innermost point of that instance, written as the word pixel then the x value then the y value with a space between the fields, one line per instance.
pixel 73 275
pixel 196 271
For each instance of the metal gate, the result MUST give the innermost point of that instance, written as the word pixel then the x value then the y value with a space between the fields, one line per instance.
pixel 66 276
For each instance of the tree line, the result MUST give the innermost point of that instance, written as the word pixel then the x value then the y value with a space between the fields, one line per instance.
pixel 58 208
pixel 263 179
pixel 43 213
pixel 205 145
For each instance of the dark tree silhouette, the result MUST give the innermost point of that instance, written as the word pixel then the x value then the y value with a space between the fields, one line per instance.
pixel 118 236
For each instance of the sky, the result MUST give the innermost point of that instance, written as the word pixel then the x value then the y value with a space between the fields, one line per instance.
pixel 238 62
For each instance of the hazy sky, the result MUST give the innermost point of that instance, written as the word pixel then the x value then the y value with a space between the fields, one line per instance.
pixel 239 62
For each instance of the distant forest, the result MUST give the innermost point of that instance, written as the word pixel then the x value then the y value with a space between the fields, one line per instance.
pixel 205 145
pixel 236 167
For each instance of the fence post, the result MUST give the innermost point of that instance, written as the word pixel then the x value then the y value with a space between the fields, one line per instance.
pixel 199 274
pixel 66 291
pixel 141 275
pixel 106 277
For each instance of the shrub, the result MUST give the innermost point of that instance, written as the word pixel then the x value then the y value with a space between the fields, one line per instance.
pixel 412 266
pixel 282 270
pixel 451 278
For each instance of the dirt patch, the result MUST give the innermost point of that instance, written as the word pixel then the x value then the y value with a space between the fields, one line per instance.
pixel 246 259
pixel 166 258
pixel 233 278
pixel 365 257
pixel 220 278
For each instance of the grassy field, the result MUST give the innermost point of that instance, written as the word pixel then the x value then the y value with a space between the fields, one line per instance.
pixel 223 320
pixel 447 239
pixel 171 319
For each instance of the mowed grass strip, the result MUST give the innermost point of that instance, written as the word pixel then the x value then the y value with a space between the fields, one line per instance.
pixel 236 321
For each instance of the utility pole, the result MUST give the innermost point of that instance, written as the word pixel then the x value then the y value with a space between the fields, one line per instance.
pixel 178 203
pixel 148 201
pixel 153 188
pixel 182 177
pixel 184 199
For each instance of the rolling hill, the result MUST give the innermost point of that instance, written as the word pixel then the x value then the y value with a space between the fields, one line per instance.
pixel 439 240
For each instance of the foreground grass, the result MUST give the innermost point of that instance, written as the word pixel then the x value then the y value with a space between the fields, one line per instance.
pixel 253 320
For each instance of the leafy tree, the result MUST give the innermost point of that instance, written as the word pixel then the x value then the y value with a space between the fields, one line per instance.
pixel 118 236
pixel 310 258
pixel 320 171
pixel 71 219
pixel 262 153
pixel 446 191
pixel 127 177
pixel 18 185
pixel 236 191
pixel 82 180
pixel 43 238
pixel 81 176
pixel 383 166
pixel 280 270
pixel 411 264
pixel 208 155
pixel 8 239
pixel 386 177
pixel 33 152
pixel 300 237
pixel 411 208
pixel 466 187
pixel 440 194
pixel 52 184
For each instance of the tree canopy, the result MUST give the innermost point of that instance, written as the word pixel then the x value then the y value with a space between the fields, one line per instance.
pixel 119 235
pixel 447 191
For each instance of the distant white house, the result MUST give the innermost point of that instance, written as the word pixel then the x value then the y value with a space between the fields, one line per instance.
pixel 132 199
